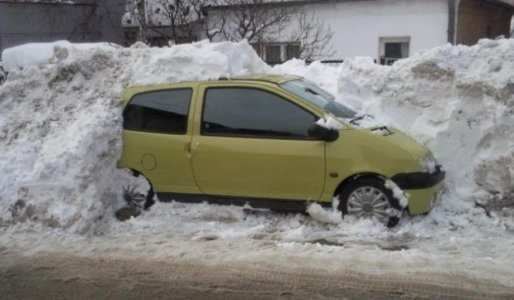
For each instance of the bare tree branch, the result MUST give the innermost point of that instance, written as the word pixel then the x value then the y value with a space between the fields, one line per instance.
pixel 258 21
pixel 136 10
pixel 314 36
pixel 182 18
pixel 211 27
pixel 255 20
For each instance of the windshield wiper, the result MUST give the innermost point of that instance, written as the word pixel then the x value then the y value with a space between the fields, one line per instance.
pixel 311 91
pixel 354 120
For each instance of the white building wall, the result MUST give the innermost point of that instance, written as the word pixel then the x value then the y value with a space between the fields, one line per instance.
pixel 357 26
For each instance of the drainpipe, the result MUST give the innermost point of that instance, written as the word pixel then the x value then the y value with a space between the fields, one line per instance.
pixel 452 4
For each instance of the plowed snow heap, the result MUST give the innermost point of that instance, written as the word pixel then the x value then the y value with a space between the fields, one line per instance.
pixel 456 100
pixel 459 101
pixel 60 120
pixel 60 116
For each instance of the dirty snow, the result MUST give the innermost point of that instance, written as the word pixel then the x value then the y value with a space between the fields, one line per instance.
pixel 383 131
pixel 398 194
pixel 429 164
pixel 60 128
pixel 34 54
pixel 328 216
pixel 60 122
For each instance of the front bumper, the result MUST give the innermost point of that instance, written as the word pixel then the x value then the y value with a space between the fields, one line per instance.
pixel 424 189
pixel 418 180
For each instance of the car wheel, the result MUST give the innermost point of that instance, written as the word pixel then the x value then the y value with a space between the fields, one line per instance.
pixel 368 198
pixel 144 201
pixel 135 203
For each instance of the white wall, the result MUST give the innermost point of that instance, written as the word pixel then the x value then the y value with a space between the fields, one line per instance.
pixel 358 25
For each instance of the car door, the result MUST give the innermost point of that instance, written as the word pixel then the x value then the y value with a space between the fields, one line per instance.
pixel 157 136
pixel 253 142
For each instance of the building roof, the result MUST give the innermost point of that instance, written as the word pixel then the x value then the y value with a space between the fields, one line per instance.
pixel 222 3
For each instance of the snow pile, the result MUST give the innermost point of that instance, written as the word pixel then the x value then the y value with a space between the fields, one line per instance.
pixel 34 54
pixel 60 122
pixel 382 131
pixel 333 216
pixel 398 194
pixel 457 100
pixel 329 122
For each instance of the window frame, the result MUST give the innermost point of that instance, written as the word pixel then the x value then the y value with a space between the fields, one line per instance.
pixel 268 52
pixel 261 49
pixel 249 136
pixel 188 116
pixel 382 41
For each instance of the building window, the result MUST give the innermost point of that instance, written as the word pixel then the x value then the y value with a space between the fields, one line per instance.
pixel 273 54
pixel 292 51
pixel 276 53
pixel 393 48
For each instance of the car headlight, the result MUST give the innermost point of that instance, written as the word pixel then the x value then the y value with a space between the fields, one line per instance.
pixel 429 163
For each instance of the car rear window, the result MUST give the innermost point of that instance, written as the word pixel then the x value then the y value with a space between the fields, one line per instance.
pixel 159 112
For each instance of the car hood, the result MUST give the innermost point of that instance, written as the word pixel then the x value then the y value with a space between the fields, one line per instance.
pixel 398 139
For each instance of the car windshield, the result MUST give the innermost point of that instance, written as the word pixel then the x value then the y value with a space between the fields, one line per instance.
pixel 317 96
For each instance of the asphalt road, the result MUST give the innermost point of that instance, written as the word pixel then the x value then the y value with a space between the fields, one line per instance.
pixel 54 276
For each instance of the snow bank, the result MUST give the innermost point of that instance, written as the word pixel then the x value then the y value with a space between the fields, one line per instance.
pixel 457 100
pixel 322 215
pixel 34 54
pixel 60 121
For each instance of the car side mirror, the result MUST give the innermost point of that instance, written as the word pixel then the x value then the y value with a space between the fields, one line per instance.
pixel 321 133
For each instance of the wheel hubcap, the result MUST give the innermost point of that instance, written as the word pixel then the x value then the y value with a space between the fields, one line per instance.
pixel 368 201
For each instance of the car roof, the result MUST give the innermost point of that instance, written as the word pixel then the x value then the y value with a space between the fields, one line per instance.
pixel 279 79
pixel 276 79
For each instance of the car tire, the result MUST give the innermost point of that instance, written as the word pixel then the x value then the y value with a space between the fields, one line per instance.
pixel 368 197
pixel 148 197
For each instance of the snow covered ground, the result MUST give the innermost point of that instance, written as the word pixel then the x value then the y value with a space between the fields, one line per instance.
pixel 60 126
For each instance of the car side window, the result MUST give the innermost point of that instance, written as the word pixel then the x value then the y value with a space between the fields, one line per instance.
pixel 249 112
pixel 159 112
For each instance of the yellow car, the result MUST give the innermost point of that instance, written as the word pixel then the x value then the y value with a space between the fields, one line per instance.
pixel 264 140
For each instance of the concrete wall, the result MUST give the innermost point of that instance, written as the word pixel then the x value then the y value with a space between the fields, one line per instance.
pixel 42 22
pixel 480 19
pixel 109 13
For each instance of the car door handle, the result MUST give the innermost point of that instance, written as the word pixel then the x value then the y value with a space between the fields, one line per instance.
pixel 187 150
